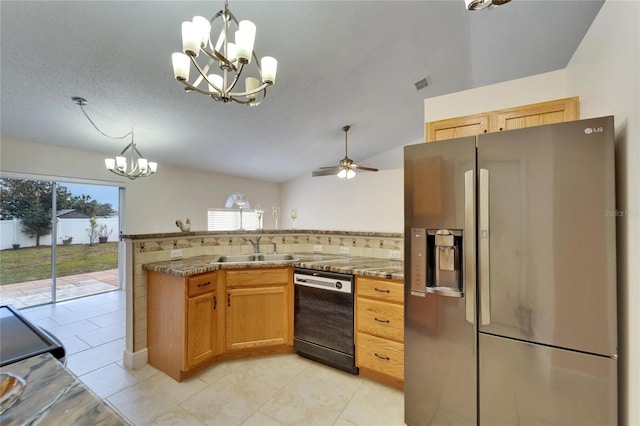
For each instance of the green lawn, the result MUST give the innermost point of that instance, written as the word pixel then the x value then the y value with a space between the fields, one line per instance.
pixel 34 263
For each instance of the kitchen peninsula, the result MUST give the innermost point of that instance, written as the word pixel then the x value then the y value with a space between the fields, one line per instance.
pixel 206 284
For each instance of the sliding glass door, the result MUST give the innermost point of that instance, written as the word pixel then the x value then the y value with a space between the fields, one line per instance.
pixel 57 248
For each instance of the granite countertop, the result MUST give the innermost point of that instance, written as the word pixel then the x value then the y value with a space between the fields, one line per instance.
pixel 54 396
pixel 133 237
pixel 365 266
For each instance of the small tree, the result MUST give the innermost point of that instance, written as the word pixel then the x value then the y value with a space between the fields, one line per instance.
pixel 30 202
pixel 92 230
pixel 36 222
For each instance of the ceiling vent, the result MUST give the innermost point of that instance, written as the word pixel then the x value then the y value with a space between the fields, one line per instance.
pixel 423 83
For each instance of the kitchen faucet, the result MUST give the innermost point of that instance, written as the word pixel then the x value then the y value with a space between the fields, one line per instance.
pixel 274 246
pixel 255 245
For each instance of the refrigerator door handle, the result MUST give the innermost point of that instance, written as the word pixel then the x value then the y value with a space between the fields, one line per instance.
pixel 469 245
pixel 485 286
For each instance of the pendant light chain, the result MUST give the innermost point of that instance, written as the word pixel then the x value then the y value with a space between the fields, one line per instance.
pixel 81 103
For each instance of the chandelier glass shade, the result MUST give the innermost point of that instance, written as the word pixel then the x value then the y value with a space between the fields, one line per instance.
pixel 131 163
pixel 231 58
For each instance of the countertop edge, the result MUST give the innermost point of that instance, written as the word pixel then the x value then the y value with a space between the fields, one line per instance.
pixel 369 267
pixel 137 237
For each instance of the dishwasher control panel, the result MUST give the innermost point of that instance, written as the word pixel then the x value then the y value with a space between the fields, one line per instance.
pixel 329 281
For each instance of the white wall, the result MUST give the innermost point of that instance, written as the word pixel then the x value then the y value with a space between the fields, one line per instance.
pixel 155 203
pixel 152 204
pixel 605 72
pixel 523 91
pixel 368 202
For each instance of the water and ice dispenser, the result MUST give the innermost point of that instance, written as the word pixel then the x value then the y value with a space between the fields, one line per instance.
pixel 436 262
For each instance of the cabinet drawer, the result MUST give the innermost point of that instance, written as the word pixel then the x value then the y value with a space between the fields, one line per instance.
pixel 390 291
pixel 252 277
pixel 380 318
pixel 201 284
pixel 381 355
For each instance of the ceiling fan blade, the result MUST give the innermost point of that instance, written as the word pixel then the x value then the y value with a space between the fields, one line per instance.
pixel 326 171
pixel 364 168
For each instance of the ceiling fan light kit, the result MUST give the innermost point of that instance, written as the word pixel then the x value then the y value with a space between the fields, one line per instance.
pixel 484 4
pixel 130 163
pixel 229 57
pixel 347 168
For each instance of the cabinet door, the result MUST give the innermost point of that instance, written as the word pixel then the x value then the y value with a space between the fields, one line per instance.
pixel 380 319
pixel 201 328
pixel 256 317
pixel 458 127
pixel 384 290
pixel 382 355
pixel 557 111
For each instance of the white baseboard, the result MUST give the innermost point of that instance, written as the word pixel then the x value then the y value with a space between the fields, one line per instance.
pixel 135 360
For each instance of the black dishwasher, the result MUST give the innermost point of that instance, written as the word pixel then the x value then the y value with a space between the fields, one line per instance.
pixel 323 318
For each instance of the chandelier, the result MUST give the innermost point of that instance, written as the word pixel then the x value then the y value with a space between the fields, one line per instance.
pixel 130 163
pixel 229 57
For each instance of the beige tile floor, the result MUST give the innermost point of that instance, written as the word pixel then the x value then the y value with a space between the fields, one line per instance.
pixel 272 390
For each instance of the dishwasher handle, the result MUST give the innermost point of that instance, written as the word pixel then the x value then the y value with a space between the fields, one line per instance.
pixel 324 283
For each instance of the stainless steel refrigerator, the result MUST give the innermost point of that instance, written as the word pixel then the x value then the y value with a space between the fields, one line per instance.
pixel 510 279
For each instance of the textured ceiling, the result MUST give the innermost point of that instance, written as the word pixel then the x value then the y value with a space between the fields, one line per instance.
pixel 339 62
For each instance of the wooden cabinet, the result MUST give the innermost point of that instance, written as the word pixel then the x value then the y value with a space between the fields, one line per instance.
pixel 182 322
pixel 537 114
pixel 202 320
pixel 259 310
pixel 457 127
pixel 380 329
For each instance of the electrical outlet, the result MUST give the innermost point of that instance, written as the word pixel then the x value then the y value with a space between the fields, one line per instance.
pixel 395 254
pixel 156 229
pixel 317 247
pixel 176 253
pixel 344 250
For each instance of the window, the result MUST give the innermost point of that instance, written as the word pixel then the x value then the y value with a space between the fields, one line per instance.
pixel 231 220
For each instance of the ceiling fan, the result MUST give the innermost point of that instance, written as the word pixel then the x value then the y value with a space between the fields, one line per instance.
pixel 346 168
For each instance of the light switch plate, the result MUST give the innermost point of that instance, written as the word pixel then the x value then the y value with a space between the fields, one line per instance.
pixel 344 250
pixel 176 253
pixel 317 247
pixel 395 254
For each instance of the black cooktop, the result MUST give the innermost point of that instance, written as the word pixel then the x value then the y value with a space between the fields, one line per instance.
pixel 20 339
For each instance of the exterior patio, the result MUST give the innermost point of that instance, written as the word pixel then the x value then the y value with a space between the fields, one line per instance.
pixel 32 293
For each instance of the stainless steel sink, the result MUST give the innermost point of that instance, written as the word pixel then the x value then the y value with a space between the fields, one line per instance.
pixel 277 257
pixel 238 258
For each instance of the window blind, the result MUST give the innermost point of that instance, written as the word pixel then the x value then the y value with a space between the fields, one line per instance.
pixel 229 219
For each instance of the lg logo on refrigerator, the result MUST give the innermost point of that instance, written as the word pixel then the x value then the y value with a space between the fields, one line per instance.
pixel 590 130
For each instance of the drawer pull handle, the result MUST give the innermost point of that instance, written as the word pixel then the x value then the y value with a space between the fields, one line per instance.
pixel 386 358
pixel 204 284
pixel 381 290
pixel 228 300
pixel 215 303
pixel 379 320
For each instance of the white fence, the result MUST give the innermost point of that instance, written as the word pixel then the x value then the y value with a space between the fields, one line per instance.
pixel 77 229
